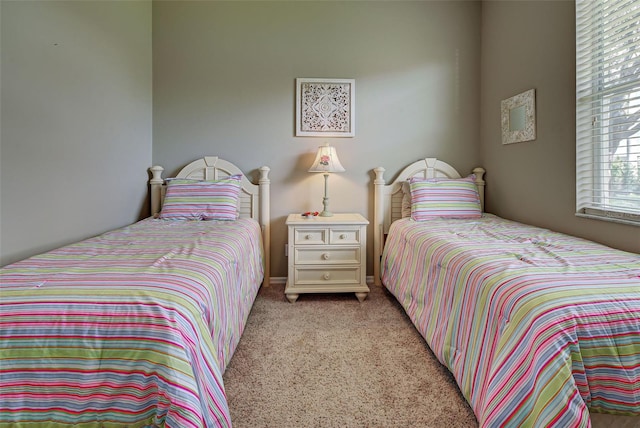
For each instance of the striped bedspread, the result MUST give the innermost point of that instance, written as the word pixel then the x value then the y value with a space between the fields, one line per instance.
pixel 538 328
pixel 132 328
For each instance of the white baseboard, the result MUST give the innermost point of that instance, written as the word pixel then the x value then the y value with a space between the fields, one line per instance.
pixel 278 280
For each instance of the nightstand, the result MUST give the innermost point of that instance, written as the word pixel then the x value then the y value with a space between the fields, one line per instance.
pixel 327 255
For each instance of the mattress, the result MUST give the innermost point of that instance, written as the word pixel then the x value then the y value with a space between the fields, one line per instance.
pixel 131 328
pixel 538 328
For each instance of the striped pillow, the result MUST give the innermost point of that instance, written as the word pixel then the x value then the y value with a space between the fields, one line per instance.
pixel 444 198
pixel 202 200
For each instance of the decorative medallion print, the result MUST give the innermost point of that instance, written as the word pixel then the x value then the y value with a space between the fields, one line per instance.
pixel 325 107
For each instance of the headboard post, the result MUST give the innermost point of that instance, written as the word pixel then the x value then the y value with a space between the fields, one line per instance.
pixel 265 221
pixel 378 222
pixel 156 188
pixel 479 173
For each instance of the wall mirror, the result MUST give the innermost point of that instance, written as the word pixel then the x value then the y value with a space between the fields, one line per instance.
pixel 519 118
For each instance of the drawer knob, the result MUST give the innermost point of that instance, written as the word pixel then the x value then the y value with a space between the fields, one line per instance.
pixel 326 276
pixel 343 236
pixel 307 237
pixel 325 256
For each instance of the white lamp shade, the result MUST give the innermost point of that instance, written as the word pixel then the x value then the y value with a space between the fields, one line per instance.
pixel 326 160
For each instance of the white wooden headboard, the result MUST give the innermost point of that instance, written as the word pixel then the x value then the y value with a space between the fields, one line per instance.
pixel 387 204
pixel 254 199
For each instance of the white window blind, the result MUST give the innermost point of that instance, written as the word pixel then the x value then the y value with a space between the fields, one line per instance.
pixel 608 109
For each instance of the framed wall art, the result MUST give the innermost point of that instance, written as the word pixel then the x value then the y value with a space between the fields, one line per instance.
pixel 325 107
pixel 519 118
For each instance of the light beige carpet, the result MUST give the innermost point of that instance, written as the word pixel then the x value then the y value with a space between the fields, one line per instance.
pixel 329 361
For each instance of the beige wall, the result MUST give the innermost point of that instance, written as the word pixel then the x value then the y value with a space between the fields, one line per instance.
pixel 531 44
pixel 76 105
pixel 224 84
pixel 76 121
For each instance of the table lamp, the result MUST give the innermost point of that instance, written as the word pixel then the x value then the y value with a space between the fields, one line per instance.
pixel 326 161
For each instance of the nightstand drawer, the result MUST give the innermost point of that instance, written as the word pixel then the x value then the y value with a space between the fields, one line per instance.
pixel 318 276
pixel 310 236
pixel 333 255
pixel 344 236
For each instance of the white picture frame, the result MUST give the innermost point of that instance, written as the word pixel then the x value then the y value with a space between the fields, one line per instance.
pixel 519 118
pixel 325 107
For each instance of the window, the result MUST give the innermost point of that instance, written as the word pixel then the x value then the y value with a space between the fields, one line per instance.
pixel 608 109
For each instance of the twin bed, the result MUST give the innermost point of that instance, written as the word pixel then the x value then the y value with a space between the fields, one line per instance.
pixel 538 328
pixel 136 326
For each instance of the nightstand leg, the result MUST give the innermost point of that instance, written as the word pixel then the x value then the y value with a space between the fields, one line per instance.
pixel 361 296
pixel 292 297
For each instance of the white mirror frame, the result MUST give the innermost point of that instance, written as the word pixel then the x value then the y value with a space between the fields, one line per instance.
pixel 527 130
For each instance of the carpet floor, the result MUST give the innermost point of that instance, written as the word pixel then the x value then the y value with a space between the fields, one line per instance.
pixel 329 361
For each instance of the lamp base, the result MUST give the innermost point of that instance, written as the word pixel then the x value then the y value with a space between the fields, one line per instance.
pixel 325 201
